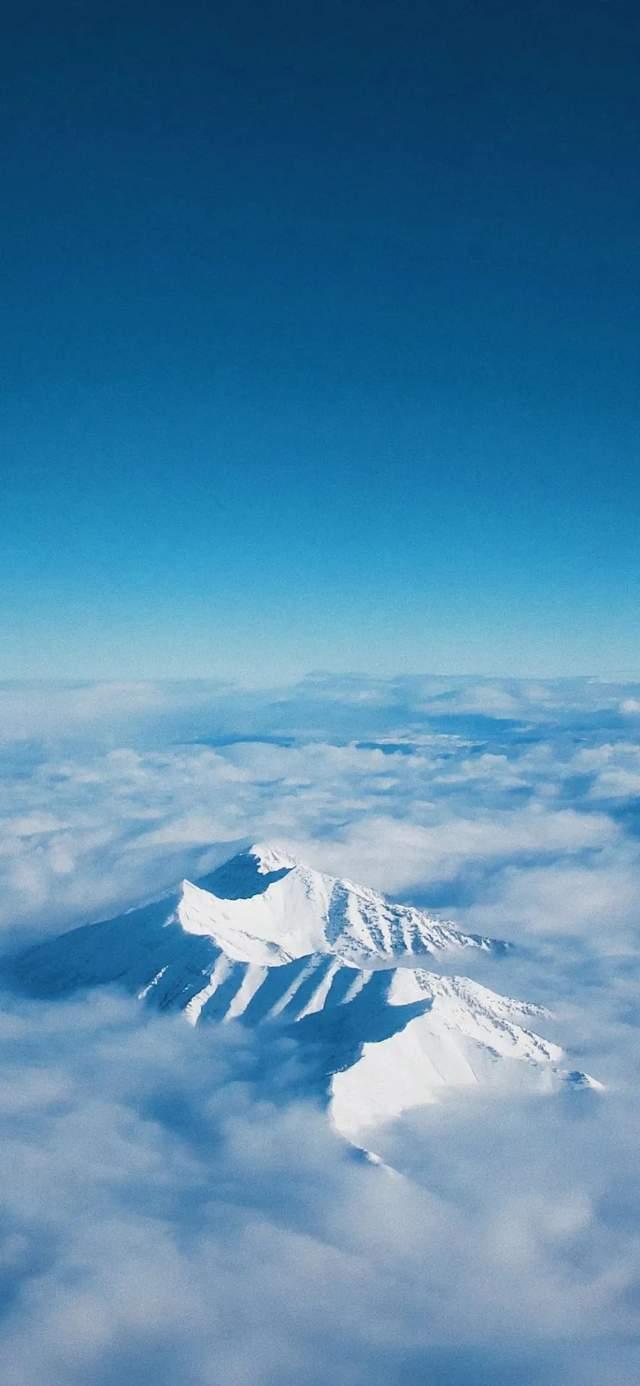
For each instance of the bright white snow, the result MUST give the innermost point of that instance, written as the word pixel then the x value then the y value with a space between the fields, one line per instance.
pixel 266 939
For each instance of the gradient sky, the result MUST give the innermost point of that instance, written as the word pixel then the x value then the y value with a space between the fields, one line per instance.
pixel 320 338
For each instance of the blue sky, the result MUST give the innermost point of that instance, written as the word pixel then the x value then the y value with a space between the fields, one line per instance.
pixel 320 340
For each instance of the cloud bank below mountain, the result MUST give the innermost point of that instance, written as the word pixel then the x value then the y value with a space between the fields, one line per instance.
pixel 167 1218
pixel 162 1218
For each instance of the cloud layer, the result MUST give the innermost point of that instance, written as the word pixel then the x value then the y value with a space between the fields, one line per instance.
pixel 167 1216
pixel 164 1219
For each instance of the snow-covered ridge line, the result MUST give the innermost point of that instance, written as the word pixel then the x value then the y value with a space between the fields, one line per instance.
pixel 288 910
pixel 266 941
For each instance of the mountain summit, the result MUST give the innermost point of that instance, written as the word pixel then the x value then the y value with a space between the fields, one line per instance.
pixel 267 940
pixel 265 907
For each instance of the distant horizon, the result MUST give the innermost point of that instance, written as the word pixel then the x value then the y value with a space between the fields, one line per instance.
pixel 280 680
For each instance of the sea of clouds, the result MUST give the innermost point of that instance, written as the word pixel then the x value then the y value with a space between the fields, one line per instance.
pixel 168 1218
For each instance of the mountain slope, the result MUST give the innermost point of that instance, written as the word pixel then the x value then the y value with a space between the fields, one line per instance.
pixel 268 941
pixel 265 907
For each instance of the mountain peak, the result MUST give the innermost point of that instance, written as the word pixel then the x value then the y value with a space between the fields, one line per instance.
pixel 267 939
pixel 264 907
pixel 248 873
pixel 271 856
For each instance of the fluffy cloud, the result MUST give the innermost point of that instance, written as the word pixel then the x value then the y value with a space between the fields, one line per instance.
pixel 167 1216
pixel 393 854
pixel 116 806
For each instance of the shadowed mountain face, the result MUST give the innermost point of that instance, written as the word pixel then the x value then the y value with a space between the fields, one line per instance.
pixel 270 942
pixel 240 879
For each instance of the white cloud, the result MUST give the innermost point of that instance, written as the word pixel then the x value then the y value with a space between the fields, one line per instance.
pixel 167 1219
pixel 394 855
pixel 90 826
pixel 162 1217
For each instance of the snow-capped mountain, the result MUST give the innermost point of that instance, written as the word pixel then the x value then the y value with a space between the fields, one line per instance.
pixel 264 907
pixel 267 940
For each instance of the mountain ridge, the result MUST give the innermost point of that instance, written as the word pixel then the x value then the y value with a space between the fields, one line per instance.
pixel 332 963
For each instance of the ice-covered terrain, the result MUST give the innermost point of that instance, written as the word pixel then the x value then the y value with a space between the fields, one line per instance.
pixel 267 940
